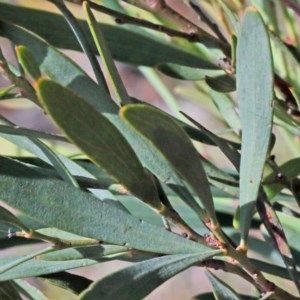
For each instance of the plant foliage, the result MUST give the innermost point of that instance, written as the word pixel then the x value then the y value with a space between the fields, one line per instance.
pixel 149 187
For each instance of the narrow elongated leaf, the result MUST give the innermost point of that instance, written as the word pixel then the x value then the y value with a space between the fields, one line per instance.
pixel 70 75
pixel 271 269
pixel 16 130
pixel 95 252
pixel 57 163
pixel 163 133
pixel 74 283
pixel 82 256
pixel 29 291
pixel 57 204
pixel 187 73
pixel 221 290
pixel 227 109
pixel 6 217
pixel 10 265
pixel 125 44
pixel 4 92
pixel 28 62
pixel 255 96
pixel 224 146
pixel 222 84
pixel 289 169
pixel 59 67
pixel 98 138
pixel 106 56
pixel 137 281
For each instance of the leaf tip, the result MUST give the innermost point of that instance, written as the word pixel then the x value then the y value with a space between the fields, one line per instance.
pixel 38 82
pixel 124 111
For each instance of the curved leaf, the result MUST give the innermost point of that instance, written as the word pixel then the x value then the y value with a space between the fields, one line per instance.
pixel 29 291
pixel 221 290
pixel 61 260
pixel 289 169
pixel 57 204
pixel 59 67
pixel 98 138
pixel 227 109
pixel 6 217
pixel 137 281
pixel 125 44
pixel 28 62
pixel 106 56
pixel 222 83
pixel 255 96
pixel 16 130
pixel 164 134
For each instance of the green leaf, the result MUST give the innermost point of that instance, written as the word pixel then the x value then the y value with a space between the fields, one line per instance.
pixel 57 204
pixel 49 154
pixel 137 281
pixel 74 283
pixel 95 252
pixel 6 217
pixel 57 163
pixel 29 291
pixel 28 62
pixel 222 84
pixel 271 269
pixel 210 296
pixel 187 73
pixel 164 134
pixel 16 130
pixel 227 109
pixel 69 259
pixel 221 290
pixel 10 265
pixel 224 145
pixel 58 66
pixel 106 56
pixel 81 38
pixel 255 96
pixel 295 187
pixel 98 138
pixel 289 169
pixel 124 44
pixel 4 92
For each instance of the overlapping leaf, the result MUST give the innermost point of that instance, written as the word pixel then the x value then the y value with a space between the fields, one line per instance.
pixel 137 281
pixel 98 138
pixel 164 134
pixel 124 44
pixel 57 204
pixel 255 96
